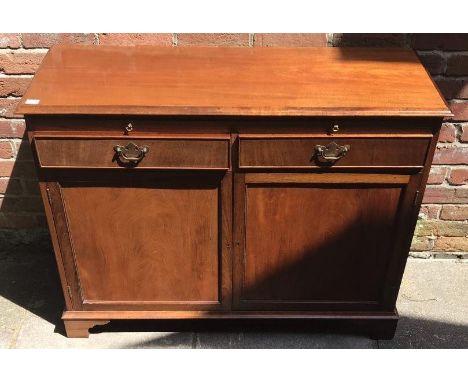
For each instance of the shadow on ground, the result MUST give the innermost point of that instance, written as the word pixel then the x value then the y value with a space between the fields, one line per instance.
pixel 411 333
pixel 29 279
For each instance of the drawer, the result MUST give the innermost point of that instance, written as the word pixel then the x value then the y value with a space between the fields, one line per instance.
pixel 170 153
pixel 333 152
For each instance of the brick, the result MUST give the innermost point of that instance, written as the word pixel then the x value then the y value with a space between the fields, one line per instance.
pixel 451 155
pixel 19 127
pixel 433 62
pixel 6 128
pixel 438 195
pixel 454 213
pixel 14 169
pixel 160 39
pixel 31 187
pixel 445 195
pixel 12 128
pixel 464 134
pixel 460 110
pixel 10 186
pixel 16 221
pixel 291 39
pixel 440 41
pixel 6 168
pixel 20 63
pixel 457 64
pixel 21 204
pixel 6 150
pixel 46 40
pixel 437 175
pixel 13 86
pixel 451 244
pixel 458 176
pixel 8 107
pixel 461 193
pixel 24 170
pixel 369 39
pixel 430 211
pixel 420 244
pixel 448 133
pixel 10 40
pixel 213 39
pixel 441 228
pixel 453 88
pixel 23 150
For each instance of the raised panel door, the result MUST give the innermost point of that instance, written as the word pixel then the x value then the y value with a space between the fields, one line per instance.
pixel 154 243
pixel 315 241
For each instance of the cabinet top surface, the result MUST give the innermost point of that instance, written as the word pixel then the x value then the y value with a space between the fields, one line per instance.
pixel 232 81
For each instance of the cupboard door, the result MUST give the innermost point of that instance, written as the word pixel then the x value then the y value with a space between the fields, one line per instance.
pixel 146 243
pixel 315 241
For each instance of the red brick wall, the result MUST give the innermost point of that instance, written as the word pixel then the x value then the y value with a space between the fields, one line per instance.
pixel 443 228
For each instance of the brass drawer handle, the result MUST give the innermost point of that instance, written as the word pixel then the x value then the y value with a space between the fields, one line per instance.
pixel 131 153
pixel 331 152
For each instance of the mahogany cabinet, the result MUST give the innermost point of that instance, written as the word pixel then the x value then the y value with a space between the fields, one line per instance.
pixel 213 183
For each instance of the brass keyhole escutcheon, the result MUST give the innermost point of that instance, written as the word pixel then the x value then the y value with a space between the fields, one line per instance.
pixel 128 128
pixel 334 129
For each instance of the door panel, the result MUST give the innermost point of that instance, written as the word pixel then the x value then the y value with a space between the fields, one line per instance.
pixel 147 245
pixel 315 241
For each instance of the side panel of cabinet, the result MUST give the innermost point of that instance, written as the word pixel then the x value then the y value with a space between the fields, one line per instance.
pixel 316 241
pixel 152 242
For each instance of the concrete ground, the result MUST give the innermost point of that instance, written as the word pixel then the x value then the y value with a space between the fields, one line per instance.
pixel 433 304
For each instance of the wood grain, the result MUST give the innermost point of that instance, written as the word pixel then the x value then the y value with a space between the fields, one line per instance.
pixel 315 245
pixel 194 314
pixel 163 153
pixel 71 283
pixel 229 216
pixel 232 81
pixel 325 178
pixel 219 127
pixel 300 152
pixel 127 242
pixel 80 328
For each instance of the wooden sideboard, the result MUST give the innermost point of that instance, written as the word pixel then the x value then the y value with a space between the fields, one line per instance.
pixel 212 183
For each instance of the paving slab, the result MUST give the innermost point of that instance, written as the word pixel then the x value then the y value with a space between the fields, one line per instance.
pixel 218 340
pixel 38 333
pixel 304 340
pixel 433 305
pixel 11 319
